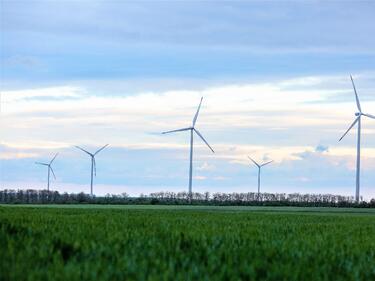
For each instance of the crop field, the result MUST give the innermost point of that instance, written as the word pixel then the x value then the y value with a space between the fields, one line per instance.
pixel 186 243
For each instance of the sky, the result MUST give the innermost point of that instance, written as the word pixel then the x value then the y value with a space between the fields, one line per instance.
pixel 275 77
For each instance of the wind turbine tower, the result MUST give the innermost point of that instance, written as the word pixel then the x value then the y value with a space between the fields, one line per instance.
pixel 93 164
pixel 49 169
pixel 357 120
pixel 259 167
pixel 192 130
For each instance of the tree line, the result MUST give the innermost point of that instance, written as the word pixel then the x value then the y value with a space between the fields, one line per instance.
pixel 32 196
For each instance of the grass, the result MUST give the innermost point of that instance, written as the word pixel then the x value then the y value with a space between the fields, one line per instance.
pixel 85 242
pixel 281 209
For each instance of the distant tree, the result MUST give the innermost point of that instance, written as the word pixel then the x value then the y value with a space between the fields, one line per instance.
pixel 30 196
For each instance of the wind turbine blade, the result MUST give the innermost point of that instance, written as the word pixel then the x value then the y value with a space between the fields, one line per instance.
pixel 101 149
pixel 93 159
pixel 351 126
pixel 52 172
pixel 178 130
pixel 266 163
pixel 199 134
pixel 369 115
pixel 253 161
pixel 196 114
pixel 356 95
pixel 40 163
pixel 53 158
pixel 83 150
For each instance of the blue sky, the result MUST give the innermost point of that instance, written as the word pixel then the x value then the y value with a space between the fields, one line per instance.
pixel 274 76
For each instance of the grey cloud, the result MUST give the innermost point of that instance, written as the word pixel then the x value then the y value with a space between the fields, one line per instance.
pixel 203 23
pixel 24 61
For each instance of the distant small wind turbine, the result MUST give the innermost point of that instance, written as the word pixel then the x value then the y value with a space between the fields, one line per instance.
pixel 93 164
pixel 259 166
pixel 192 129
pixel 49 167
pixel 357 120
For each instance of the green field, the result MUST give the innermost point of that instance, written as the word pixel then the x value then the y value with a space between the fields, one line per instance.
pixel 83 242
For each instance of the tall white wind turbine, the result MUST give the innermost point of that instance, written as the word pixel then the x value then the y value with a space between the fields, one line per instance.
pixel 93 164
pixel 49 168
pixel 192 129
pixel 259 167
pixel 358 115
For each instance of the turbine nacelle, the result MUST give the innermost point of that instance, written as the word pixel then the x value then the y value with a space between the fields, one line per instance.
pixel 259 165
pixel 192 128
pixel 357 113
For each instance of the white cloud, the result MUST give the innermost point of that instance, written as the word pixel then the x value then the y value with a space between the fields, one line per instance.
pixel 61 92
pixel 137 120
pixel 205 167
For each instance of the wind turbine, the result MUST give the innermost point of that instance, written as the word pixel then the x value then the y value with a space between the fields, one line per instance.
pixel 259 167
pixel 358 115
pixel 49 167
pixel 192 129
pixel 93 163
